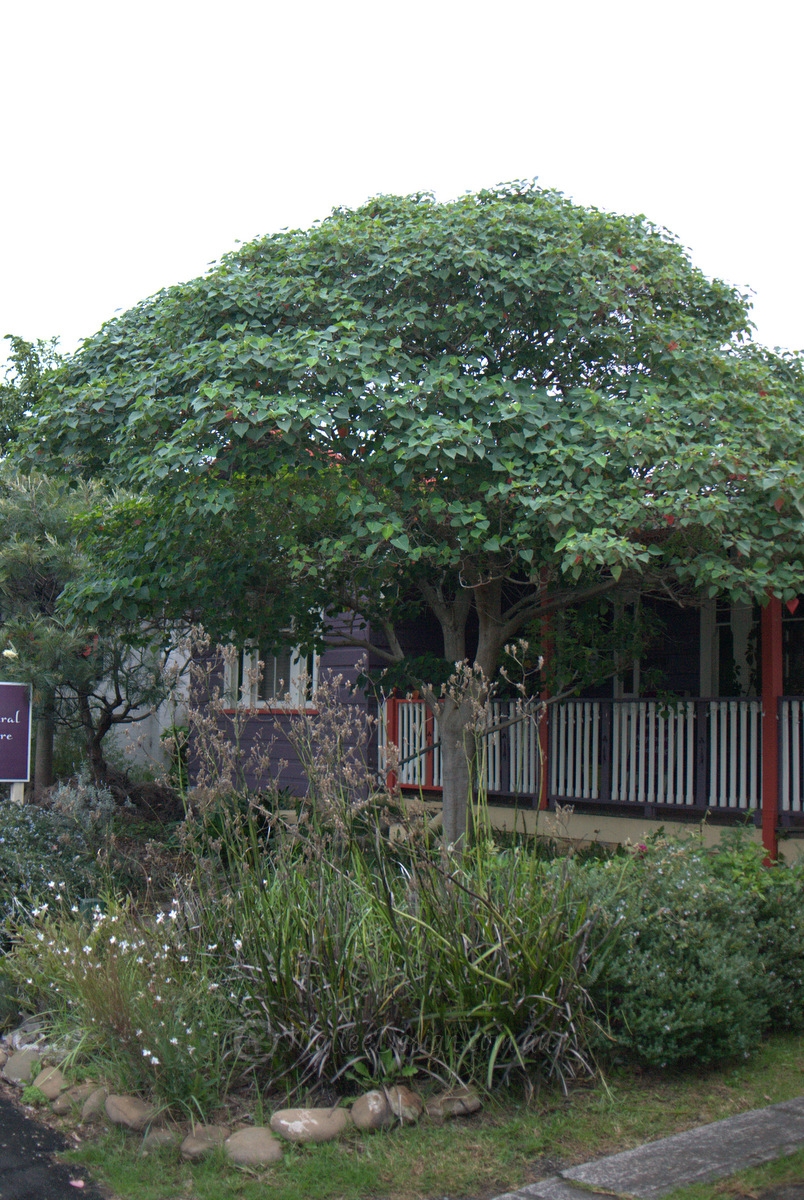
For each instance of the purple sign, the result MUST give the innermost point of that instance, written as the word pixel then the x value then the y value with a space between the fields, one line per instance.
pixel 15 733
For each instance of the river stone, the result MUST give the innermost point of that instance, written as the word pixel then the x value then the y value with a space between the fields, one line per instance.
pixel 253 1147
pixel 405 1105
pixel 67 1101
pixel 51 1082
pixel 21 1066
pixel 130 1112
pixel 95 1104
pixel 372 1111
pixel 457 1102
pixel 155 1139
pixel 27 1034
pixel 310 1124
pixel 202 1140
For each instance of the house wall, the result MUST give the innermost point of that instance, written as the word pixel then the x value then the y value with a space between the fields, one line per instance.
pixel 261 732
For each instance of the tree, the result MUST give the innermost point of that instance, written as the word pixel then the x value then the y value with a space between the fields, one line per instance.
pixel 493 410
pixel 85 677
pixel 20 392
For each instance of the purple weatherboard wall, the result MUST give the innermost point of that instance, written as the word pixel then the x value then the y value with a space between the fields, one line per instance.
pixel 15 733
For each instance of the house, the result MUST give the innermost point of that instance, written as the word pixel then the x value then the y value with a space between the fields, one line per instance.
pixel 710 724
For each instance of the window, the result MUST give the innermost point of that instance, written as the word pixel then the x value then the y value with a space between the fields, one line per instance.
pixel 284 680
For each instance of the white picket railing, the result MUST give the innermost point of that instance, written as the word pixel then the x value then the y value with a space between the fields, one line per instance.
pixel 704 753
pixel 653 752
pixel 648 752
pixel 510 748
pixel 735 732
pixel 575 750
pixel 791 720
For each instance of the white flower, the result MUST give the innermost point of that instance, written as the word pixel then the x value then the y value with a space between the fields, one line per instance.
pixel 154 1060
pixel 145 1053
pixel 174 1041
pixel 10 653
pixel 238 944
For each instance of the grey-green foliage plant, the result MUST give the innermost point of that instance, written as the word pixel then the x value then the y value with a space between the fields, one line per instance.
pixel 487 411
pixel 42 854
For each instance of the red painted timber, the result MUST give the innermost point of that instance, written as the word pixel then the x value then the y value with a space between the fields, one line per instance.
pixel 771 632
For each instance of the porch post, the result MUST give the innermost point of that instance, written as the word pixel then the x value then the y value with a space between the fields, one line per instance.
pixel 544 695
pixel 771 633
pixel 544 749
pixel 392 735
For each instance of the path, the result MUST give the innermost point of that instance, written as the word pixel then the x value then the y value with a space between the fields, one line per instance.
pixel 27 1168
pixel 698 1156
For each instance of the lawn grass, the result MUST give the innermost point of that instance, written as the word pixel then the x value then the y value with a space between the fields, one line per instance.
pixel 512 1142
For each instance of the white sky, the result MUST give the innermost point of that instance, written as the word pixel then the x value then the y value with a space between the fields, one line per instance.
pixel 142 139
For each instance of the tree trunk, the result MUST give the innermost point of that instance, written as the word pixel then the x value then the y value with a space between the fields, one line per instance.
pixel 93 736
pixel 457 753
pixel 457 716
pixel 45 737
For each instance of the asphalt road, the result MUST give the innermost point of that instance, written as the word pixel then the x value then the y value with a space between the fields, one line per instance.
pixel 27 1168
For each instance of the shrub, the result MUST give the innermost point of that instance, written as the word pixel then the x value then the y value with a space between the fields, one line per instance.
pixel 680 979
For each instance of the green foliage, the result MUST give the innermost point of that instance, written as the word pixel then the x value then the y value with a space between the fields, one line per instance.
pixel 503 379
pixel 30 364
pixel 86 677
pixel 707 949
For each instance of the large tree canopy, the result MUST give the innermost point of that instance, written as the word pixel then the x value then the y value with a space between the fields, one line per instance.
pixel 494 407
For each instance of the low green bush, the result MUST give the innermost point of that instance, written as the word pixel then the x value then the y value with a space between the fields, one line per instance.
pixel 703 949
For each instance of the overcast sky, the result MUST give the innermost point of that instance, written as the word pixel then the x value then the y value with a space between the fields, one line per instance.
pixel 141 140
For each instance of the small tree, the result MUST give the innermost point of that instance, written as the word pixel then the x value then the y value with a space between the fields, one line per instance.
pixel 84 677
pixel 492 409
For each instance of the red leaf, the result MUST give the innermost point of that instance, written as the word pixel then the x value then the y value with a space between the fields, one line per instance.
pixel 792 605
pixel 634 267
pixel 669 518
pixel 762 393
pixel 672 345
pixel 778 503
